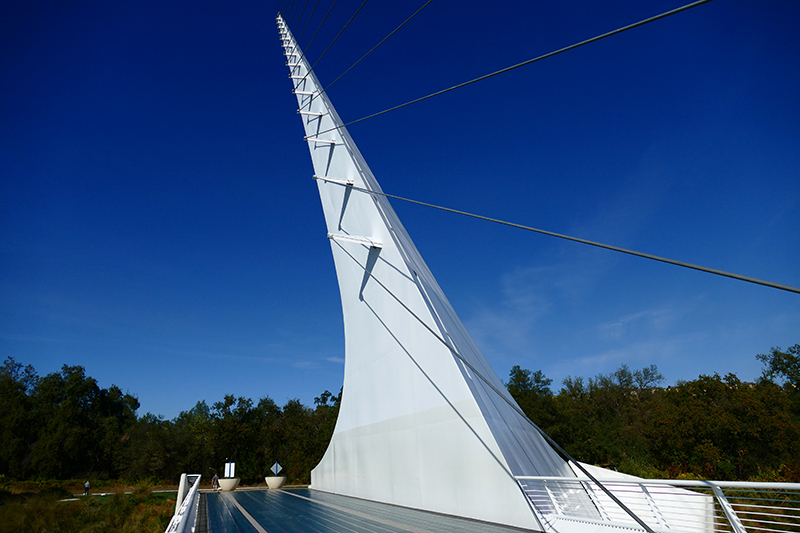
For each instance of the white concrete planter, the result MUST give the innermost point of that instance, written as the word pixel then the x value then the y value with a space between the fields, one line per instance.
pixel 228 483
pixel 275 482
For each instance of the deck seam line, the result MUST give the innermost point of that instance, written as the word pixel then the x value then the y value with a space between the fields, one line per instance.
pixel 247 515
pixel 403 527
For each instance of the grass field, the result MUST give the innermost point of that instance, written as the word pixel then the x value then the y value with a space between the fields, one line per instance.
pixel 55 509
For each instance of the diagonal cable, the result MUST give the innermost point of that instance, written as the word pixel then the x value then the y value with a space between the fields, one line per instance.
pixel 708 270
pixel 302 12
pixel 290 10
pixel 373 49
pixel 294 12
pixel 314 37
pixel 561 451
pixel 309 20
pixel 310 70
pixel 524 63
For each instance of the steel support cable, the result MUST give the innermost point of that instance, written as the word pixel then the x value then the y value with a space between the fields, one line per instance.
pixel 524 63
pixel 302 12
pixel 305 49
pixel 292 4
pixel 561 451
pixel 372 50
pixel 294 12
pixel 307 21
pixel 295 5
pixel 715 271
pixel 310 70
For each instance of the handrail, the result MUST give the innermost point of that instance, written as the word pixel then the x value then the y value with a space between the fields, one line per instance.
pixel 680 482
pixel 188 510
pixel 698 506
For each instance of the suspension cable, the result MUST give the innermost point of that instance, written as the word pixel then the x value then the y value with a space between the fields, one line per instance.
pixel 307 21
pixel 561 451
pixel 708 270
pixel 310 70
pixel 524 63
pixel 305 49
pixel 372 50
pixel 294 12
pixel 302 12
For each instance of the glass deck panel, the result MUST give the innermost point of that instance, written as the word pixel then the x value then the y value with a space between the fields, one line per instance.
pixel 310 511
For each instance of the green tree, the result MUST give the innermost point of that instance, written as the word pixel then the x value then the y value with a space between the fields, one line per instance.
pixel 532 392
pixel 269 439
pixel 324 422
pixel 235 431
pixel 782 365
pixel 79 425
pixel 601 420
pixel 193 433
pixel 17 424
pixel 297 446
pixel 723 428
pixel 148 450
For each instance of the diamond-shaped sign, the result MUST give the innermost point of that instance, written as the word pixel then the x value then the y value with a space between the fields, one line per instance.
pixel 276 468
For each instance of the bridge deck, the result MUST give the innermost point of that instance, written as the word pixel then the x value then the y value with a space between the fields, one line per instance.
pixel 309 511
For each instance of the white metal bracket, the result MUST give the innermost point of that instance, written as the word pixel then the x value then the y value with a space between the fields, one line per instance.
pixel 360 240
pixel 348 182
pixel 318 140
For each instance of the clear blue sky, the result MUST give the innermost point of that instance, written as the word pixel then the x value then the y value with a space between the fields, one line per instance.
pixel 159 224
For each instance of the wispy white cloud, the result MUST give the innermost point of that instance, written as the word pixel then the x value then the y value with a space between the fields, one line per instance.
pixel 305 364
pixel 660 351
pixel 648 320
pixel 524 299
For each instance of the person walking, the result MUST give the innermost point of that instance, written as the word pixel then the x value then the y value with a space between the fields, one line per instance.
pixel 215 481
pixel 86 488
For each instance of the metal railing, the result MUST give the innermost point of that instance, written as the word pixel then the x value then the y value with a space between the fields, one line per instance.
pixel 184 517
pixel 667 505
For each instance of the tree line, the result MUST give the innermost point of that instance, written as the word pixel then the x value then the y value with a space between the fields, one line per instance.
pixel 713 427
pixel 65 426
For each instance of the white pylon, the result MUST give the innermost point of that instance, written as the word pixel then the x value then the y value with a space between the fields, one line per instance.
pixel 424 420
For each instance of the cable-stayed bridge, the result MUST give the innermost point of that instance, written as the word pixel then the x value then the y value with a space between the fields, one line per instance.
pixel 428 438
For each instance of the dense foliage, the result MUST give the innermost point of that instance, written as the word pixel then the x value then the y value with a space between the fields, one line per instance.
pixel 712 427
pixel 65 426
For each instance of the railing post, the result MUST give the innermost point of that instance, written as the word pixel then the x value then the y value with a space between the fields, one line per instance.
pixel 595 500
pixel 187 507
pixel 183 488
pixel 553 499
pixel 727 508
pixel 653 507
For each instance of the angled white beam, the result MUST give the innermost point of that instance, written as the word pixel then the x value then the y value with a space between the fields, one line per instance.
pixel 348 182
pixel 360 240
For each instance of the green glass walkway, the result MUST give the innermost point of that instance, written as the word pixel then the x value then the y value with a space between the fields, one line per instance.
pixel 308 511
